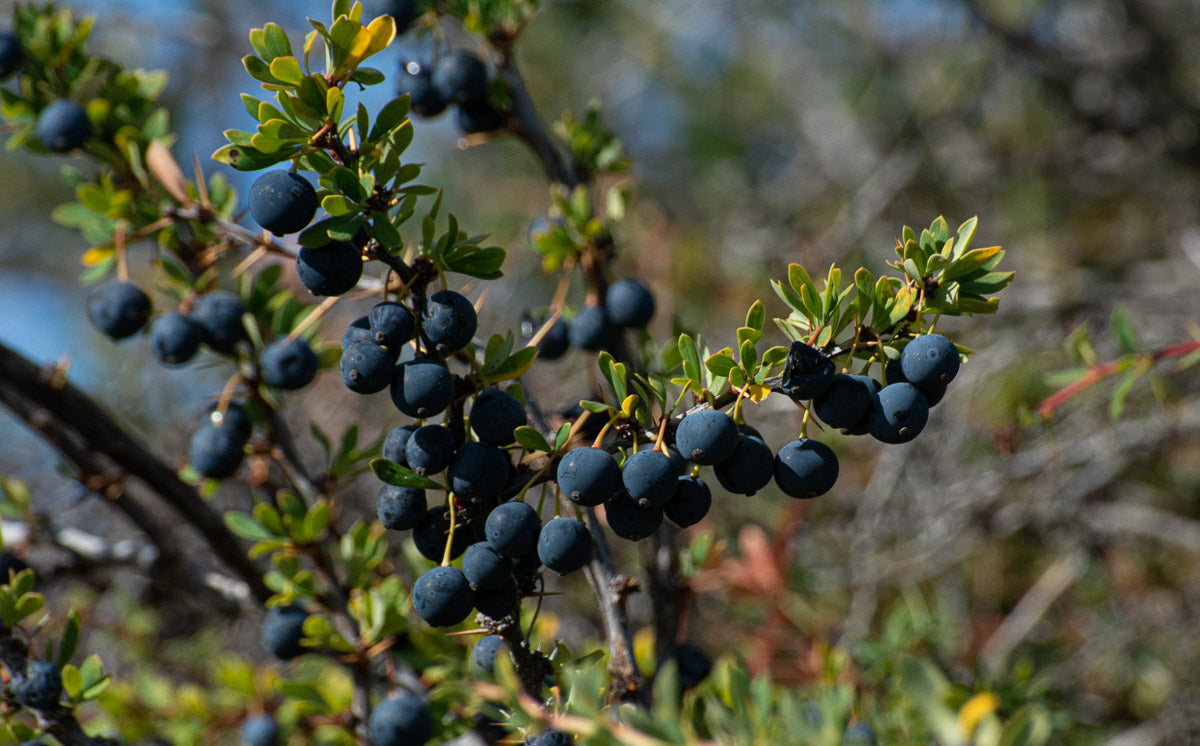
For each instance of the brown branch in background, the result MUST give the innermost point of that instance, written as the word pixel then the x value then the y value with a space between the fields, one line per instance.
pixel 1097 373
pixel 64 409
pixel 529 126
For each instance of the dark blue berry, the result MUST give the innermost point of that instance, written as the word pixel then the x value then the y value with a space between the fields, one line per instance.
pixel 282 202
pixel 933 395
pixel 449 320
pixel 288 365
pixel 693 664
pixel 404 13
pixel 416 80
pixel 706 437
pixel 10 564
pixel 216 452
pixel 526 564
pixel 366 367
pixel 844 404
pixel 898 413
pixel 807 372
pixel 478 119
pixel 282 631
pixel 234 418
pixel 484 567
pixel 873 388
pixel 395 445
pixel 893 372
pixel 460 77
pixel 859 734
pixel 483 655
pixel 555 342
pixel 259 730
pixel 118 309
pixel 749 469
pixel 649 478
pixel 175 338
pixel 392 325
pixel 512 528
pixel 219 314
pixel 588 476
pixel 400 720
pixel 422 388
pixel 629 303
pixel 497 603
pixel 430 449
pixel 629 520
pixel 565 545
pixel 442 597
pixel 10 53
pixel 590 330
pixel 332 269
pixel 358 331
pixel 400 508
pixel 63 125
pixel 431 532
pixel 40 686
pixel 551 738
pixel 929 362
pixel 495 415
pixel 691 502
pixel 678 462
pixel 478 471
pixel 805 468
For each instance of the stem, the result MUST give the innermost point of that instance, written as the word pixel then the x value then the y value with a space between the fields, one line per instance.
pixel 450 534
pixel 611 591
pixel 1099 372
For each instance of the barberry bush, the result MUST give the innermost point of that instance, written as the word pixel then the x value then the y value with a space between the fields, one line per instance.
pixel 431 612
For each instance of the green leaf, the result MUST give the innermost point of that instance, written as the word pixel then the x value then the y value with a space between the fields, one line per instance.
pixel 531 439
pixel 70 639
pixel 595 407
pixel 368 76
pixel 756 317
pixel 391 116
pixel 302 691
pixel 515 367
pixel 722 362
pixel 970 262
pixel 484 263
pixel 614 373
pixel 562 436
pixel 964 237
pixel 72 682
pixel 246 527
pixel 337 205
pixel 1123 331
pixel 274 42
pixel 1029 726
pixel 287 70
pixel 690 354
pixel 246 158
pixel 774 356
pixel 393 473
pixel 260 71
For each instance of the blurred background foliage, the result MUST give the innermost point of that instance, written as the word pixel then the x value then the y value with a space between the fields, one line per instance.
pixel 1056 556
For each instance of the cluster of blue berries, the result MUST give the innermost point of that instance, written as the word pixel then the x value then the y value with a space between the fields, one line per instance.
pixel 857 405
pixel 458 79
pixel 628 304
